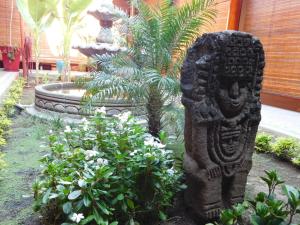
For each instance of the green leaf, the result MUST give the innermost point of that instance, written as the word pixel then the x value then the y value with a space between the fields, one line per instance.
pixel 120 197
pixel 67 207
pixel 46 196
pixel 103 208
pixel 162 216
pixel 87 219
pixel 86 201
pixel 97 216
pixel 130 203
pixel 131 222
pixel 81 183
pixel 114 223
pixel 75 194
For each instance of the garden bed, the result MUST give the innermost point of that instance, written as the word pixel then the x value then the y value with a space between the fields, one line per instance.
pixel 25 148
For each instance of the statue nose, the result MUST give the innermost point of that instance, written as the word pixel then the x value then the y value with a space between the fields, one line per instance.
pixel 234 90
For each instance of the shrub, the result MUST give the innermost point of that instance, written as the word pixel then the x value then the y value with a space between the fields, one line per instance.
pixel 107 171
pixel 286 148
pixel 266 208
pixel 263 143
pixel 14 95
pixel 296 160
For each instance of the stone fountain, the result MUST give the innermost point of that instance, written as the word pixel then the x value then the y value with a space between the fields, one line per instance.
pixel 67 97
pixel 106 15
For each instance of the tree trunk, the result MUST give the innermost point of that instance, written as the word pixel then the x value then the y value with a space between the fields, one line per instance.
pixel 37 56
pixel 154 110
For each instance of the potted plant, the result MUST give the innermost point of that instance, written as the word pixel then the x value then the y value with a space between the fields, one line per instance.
pixel 10 57
pixel 10 53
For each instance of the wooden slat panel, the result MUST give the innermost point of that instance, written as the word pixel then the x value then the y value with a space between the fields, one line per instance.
pixel 5 10
pixel 277 24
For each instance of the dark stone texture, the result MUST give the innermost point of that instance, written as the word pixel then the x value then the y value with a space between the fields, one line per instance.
pixel 221 81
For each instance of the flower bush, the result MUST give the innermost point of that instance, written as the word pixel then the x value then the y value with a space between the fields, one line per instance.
pixel 107 171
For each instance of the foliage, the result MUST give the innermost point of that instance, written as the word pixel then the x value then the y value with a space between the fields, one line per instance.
pixel 7 110
pixel 70 18
pixel 14 94
pixel 266 208
pixel 38 14
pixel 107 171
pixel 10 51
pixel 286 148
pixel 263 143
pixel 296 160
pixel 148 70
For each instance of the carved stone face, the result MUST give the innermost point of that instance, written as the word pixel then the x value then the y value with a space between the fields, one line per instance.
pixel 232 95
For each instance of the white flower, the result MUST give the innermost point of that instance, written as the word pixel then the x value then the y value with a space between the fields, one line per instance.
pixel 84 120
pixel 101 161
pixel 77 217
pixel 101 110
pixel 90 162
pixel 151 141
pixel 85 123
pixel 90 153
pixel 123 117
pixel 50 132
pixel 68 129
pixel 133 153
pixel 171 171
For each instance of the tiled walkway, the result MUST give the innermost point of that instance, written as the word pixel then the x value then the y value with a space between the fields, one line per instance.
pixel 6 78
pixel 280 121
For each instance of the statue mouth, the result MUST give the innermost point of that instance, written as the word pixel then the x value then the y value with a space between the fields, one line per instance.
pixel 235 103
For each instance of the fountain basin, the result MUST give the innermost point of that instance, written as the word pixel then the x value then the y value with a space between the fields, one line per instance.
pixel 67 98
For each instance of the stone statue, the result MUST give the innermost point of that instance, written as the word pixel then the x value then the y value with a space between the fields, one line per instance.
pixel 221 81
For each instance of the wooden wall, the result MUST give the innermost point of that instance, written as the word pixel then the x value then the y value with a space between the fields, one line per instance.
pixel 5 11
pixel 277 24
pixel 17 35
pixel 47 55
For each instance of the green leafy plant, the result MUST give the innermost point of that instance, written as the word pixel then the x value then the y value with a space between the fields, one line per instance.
pixel 107 171
pixel 72 12
pixel 296 160
pixel 263 143
pixel 149 69
pixel 7 110
pixel 266 208
pixel 286 148
pixel 38 15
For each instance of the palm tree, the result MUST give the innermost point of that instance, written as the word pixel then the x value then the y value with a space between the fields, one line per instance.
pixel 38 14
pixel 149 69
pixel 72 12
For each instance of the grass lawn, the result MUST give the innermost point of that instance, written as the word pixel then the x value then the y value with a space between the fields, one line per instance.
pixel 23 151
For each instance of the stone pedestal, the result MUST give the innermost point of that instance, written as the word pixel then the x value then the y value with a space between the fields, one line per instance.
pixel 221 81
